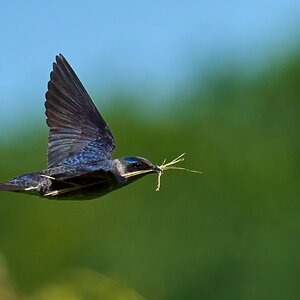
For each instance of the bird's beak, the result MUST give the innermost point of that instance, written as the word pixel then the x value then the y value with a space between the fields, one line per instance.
pixel 156 169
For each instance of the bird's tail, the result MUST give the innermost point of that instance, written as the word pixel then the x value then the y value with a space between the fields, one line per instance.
pixel 10 187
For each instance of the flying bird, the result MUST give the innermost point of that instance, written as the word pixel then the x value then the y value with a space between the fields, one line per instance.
pixel 80 147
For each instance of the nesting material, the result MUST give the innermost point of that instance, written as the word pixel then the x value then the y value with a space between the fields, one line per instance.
pixel 163 167
pixel 170 166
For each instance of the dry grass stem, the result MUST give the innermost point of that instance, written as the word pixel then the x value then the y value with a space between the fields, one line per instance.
pixel 163 167
pixel 135 173
pixel 170 166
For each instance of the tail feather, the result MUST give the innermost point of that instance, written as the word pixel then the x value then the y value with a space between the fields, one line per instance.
pixel 10 187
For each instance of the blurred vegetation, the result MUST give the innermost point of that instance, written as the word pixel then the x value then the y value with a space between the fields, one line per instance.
pixel 230 233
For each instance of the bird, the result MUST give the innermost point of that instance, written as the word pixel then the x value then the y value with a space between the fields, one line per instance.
pixel 80 163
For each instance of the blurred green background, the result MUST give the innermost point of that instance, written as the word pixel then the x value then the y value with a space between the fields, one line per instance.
pixel 232 232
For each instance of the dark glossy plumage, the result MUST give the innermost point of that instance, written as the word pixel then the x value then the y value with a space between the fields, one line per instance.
pixel 74 121
pixel 80 146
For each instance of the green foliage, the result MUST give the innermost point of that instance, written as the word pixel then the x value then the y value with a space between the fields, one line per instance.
pixel 230 233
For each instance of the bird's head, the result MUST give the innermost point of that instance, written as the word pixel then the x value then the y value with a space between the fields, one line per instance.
pixel 136 164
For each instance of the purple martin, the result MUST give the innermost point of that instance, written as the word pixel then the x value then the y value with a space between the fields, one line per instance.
pixel 80 147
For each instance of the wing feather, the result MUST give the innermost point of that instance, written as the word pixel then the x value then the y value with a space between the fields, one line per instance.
pixel 72 117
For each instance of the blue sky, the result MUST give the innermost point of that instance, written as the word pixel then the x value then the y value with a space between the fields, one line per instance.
pixel 137 44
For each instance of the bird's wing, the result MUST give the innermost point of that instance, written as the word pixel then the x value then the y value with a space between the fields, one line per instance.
pixel 72 117
pixel 62 183
pixel 84 176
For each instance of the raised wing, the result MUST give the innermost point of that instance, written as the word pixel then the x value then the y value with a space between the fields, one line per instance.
pixel 72 117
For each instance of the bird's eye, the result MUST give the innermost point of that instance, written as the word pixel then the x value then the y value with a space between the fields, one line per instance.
pixel 137 164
